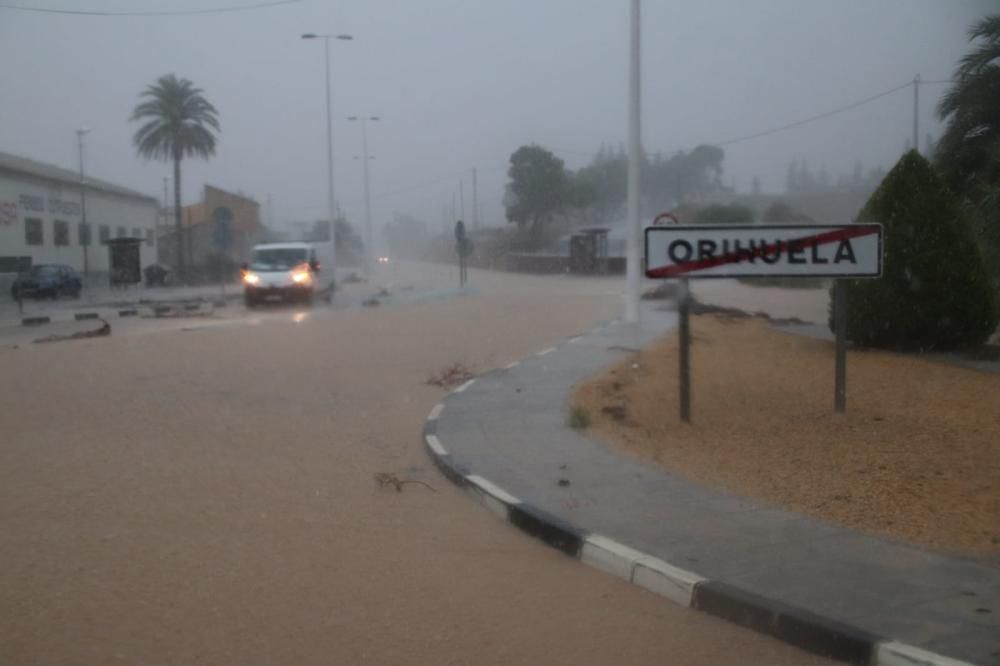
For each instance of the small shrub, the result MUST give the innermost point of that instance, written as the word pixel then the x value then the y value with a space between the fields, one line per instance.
pixel 578 419
pixel 935 292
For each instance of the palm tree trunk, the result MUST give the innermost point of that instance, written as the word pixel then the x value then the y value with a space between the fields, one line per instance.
pixel 177 219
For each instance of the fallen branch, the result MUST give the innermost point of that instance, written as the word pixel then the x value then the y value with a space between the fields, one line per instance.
pixel 389 479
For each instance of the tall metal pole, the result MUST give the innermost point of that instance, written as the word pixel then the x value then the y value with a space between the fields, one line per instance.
pixel 84 229
pixel 633 231
pixel 331 201
pixel 916 112
pixel 475 201
pixel 461 199
pixel 369 247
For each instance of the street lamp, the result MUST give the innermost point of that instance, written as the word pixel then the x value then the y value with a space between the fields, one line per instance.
pixel 369 236
pixel 632 227
pixel 331 202
pixel 84 231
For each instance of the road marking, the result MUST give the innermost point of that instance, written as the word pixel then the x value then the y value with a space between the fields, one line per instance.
pixel 576 339
pixel 892 653
pixel 511 366
pixel 435 445
pixel 436 412
pixel 548 350
pixel 464 386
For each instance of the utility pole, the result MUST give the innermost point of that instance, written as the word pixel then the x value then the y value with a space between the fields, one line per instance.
pixel 916 114
pixel 84 229
pixel 475 201
pixel 633 231
pixel 461 198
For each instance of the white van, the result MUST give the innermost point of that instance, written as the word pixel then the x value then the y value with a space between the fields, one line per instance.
pixel 286 272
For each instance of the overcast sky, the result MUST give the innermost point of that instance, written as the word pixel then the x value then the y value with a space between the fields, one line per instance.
pixel 463 83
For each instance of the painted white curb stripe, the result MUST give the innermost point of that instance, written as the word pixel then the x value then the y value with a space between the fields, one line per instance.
pixel 665 579
pixel 464 386
pixel 493 489
pixel 511 366
pixel 899 654
pixel 436 412
pixel 494 498
pixel 576 339
pixel 610 556
pixel 547 350
pixel 435 444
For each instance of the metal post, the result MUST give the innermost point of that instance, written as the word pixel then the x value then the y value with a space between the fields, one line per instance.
pixel 916 114
pixel 331 201
pixel 684 311
pixel 83 210
pixel 840 330
pixel 369 242
pixel 475 201
pixel 634 143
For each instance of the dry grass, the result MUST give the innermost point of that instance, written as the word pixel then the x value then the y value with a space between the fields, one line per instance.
pixel 916 457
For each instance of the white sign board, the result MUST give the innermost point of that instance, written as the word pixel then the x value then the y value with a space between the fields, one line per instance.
pixel 801 250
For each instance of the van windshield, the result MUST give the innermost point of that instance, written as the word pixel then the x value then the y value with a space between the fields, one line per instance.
pixel 277 259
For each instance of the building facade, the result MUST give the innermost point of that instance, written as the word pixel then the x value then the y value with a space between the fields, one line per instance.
pixel 42 217
pixel 204 257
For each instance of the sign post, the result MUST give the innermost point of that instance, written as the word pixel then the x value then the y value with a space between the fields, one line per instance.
pixel 790 251
pixel 840 331
pixel 460 247
pixel 684 331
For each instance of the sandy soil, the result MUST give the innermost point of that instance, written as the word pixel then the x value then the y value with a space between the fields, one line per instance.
pixel 916 457
pixel 207 497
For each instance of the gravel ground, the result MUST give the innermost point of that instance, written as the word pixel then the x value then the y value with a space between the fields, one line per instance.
pixel 208 497
pixel 916 457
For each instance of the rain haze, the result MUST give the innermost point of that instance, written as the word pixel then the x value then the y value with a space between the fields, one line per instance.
pixel 460 85
pixel 626 332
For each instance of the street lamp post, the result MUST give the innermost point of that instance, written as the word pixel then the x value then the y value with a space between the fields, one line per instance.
pixel 84 231
pixel 369 236
pixel 331 201
pixel 633 228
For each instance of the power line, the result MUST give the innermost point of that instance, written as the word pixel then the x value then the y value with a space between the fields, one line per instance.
pixel 216 10
pixel 811 119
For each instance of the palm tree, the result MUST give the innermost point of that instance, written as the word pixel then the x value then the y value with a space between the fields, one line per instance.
pixel 969 151
pixel 178 122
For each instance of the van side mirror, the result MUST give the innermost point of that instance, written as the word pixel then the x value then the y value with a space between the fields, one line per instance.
pixel 314 266
pixel 244 267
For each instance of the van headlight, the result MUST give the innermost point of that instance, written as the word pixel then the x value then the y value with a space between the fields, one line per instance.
pixel 251 278
pixel 301 277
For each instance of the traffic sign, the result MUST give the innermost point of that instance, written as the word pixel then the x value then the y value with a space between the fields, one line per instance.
pixel 727 251
pixel 222 218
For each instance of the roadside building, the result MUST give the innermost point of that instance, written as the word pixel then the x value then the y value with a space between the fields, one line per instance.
pixel 204 257
pixel 42 218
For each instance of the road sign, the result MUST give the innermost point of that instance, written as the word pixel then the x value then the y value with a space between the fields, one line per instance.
pixel 727 251
pixel 222 218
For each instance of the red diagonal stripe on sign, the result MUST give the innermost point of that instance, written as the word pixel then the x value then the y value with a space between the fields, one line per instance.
pixel 815 240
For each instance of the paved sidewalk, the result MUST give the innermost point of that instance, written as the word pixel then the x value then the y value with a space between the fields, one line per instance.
pixel 509 427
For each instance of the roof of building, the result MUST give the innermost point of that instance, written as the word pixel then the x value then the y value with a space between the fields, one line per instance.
pixel 17 164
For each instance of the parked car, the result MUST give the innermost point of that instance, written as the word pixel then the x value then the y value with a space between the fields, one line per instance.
pixel 47 281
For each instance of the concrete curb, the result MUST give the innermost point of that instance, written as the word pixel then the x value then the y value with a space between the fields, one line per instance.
pixel 793 625
pixel 157 310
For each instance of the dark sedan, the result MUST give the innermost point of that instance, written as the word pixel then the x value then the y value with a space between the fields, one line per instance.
pixel 48 281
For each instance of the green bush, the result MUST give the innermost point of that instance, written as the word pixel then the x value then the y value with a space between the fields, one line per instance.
pixel 934 292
